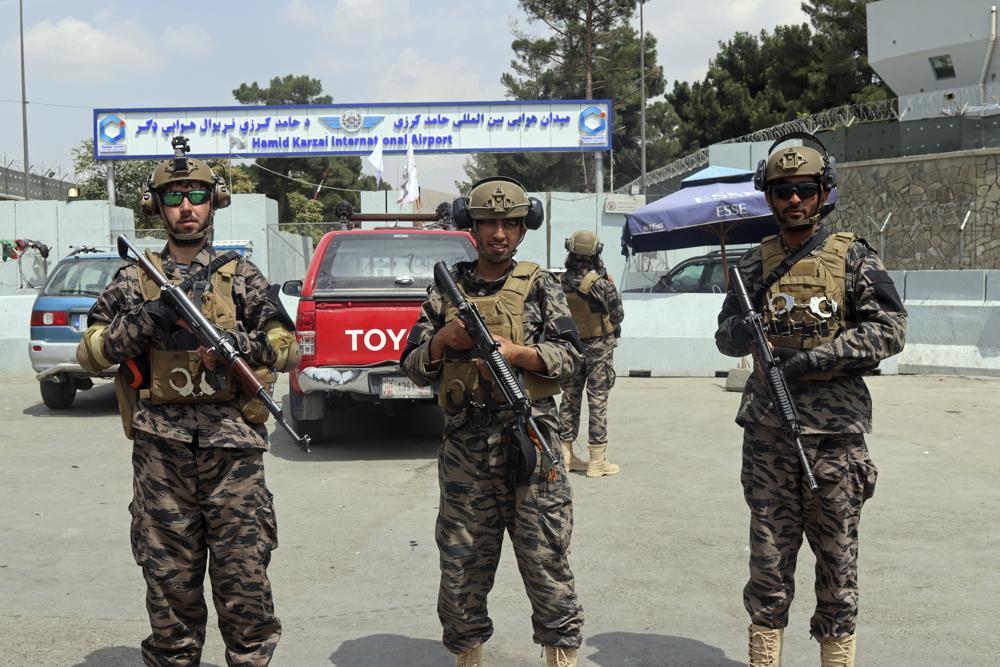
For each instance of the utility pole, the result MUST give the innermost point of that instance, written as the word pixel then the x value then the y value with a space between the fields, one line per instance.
pixel 642 108
pixel 111 181
pixel 24 100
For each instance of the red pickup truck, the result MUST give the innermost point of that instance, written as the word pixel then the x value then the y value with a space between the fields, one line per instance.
pixel 360 296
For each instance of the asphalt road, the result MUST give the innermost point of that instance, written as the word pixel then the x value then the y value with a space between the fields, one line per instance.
pixel 659 551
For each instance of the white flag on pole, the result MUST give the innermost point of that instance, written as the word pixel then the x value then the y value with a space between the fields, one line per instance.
pixel 375 159
pixel 409 189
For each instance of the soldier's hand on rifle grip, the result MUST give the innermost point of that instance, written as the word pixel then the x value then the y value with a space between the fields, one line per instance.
pixel 164 317
pixel 796 363
pixel 453 336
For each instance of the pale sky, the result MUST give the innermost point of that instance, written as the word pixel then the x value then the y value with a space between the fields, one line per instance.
pixel 81 54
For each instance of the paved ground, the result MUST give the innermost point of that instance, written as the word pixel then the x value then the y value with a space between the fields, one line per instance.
pixel 659 551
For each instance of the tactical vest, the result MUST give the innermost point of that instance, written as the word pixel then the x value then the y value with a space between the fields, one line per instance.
pixel 590 322
pixel 178 376
pixel 503 314
pixel 805 307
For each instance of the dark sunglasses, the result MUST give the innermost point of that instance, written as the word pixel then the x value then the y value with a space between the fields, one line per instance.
pixel 198 196
pixel 804 190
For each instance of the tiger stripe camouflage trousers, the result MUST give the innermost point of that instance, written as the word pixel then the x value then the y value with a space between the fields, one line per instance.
pixel 782 509
pixel 476 508
pixel 196 506
pixel 597 376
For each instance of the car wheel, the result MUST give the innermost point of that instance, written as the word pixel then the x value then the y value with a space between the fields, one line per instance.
pixel 58 395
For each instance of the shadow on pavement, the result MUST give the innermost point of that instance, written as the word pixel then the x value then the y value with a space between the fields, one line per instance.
pixel 382 650
pixel 98 401
pixel 364 433
pixel 648 650
pixel 118 656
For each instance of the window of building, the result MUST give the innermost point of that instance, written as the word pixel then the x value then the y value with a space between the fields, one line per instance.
pixel 943 67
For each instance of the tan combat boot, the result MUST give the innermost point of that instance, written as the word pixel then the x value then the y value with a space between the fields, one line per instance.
pixel 765 646
pixel 837 652
pixel 599 466
pixel 557 656
pixel 573 462
pixel 471 658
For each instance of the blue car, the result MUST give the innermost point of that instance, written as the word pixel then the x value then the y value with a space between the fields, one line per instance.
pixel 59 318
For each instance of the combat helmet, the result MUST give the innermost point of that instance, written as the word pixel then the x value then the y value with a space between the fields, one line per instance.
pixel 497 198
pixel 183 168
pixel 585 243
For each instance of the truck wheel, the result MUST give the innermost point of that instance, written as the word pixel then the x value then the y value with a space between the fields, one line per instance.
pixel 58 395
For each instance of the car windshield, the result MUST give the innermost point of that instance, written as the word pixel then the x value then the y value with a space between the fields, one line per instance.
pixel 387 261
pixel 86 277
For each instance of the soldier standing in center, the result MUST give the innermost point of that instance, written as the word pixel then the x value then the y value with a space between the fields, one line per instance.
pixel 525 309
pixel 597 310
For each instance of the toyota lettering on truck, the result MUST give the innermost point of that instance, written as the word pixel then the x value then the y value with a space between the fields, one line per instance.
pixel 361 294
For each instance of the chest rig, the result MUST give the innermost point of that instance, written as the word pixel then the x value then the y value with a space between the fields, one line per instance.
pixel 805 307
pixel 178 376
pixel 461 385
pixel 590 320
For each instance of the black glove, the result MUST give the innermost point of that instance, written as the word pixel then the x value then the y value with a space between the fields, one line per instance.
pixel 796 363
pixel 163 315
pixel 742 334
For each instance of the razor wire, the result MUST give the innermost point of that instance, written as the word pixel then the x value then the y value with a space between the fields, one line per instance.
pixel 829 119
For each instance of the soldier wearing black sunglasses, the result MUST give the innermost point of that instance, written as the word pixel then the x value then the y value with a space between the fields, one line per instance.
pixel 830 312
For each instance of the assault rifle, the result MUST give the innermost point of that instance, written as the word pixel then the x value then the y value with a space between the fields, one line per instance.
pixel 209 336
pixel 486 348
pixel 777 385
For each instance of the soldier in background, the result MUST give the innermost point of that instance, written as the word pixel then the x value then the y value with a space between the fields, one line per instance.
pixel 525 309
pixel 197 456
pixel 830 312
pixel 597 310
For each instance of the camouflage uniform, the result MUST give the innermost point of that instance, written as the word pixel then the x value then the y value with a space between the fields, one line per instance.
pixel 597 373
pixel 199 487
pixel 835 414
pixel 476 506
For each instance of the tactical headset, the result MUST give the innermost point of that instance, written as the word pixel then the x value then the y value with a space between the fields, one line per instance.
pixel 827 178
pixel 462 218
pixel 150 201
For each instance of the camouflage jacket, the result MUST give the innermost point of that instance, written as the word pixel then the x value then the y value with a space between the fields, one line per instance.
pixel 546 302
pixel 130 331
pixel 841 404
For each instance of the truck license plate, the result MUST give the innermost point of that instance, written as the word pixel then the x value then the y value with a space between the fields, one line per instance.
pixel 401 387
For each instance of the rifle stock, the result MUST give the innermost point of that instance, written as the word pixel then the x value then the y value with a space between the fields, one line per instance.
pixel 486 348
pixel 209 336
pixel 777 384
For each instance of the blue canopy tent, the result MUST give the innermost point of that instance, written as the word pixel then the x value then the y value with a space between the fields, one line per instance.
pixel 709 209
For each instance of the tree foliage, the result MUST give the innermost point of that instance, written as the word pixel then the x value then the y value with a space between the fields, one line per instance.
pixel 756 81
pixel 590 52
pixel 280 177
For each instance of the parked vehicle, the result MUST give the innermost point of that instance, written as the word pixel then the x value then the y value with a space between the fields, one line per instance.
pixel 59 318
pixel 698 274
pixel 361 295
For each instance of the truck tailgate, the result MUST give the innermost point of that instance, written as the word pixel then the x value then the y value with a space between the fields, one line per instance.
pixel 363 333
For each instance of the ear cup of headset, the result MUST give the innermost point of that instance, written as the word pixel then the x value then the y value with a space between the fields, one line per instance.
pixel 536 213
pixel 221 197
pixel 760 175
pixel 460 213
pixel 149 203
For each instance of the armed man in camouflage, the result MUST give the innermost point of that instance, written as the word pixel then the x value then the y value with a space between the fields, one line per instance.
pixel 525 309
pixel 198 442
pixel 830 312
pixel 598 313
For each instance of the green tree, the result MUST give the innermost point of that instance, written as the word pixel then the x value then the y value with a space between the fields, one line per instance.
pixel 590 52
pixel 841 45
pixel 279 177
pixel 130 175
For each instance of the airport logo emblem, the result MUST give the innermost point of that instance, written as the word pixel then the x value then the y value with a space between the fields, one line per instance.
pixel 111 132
pixel 350 121
pixel 593 126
